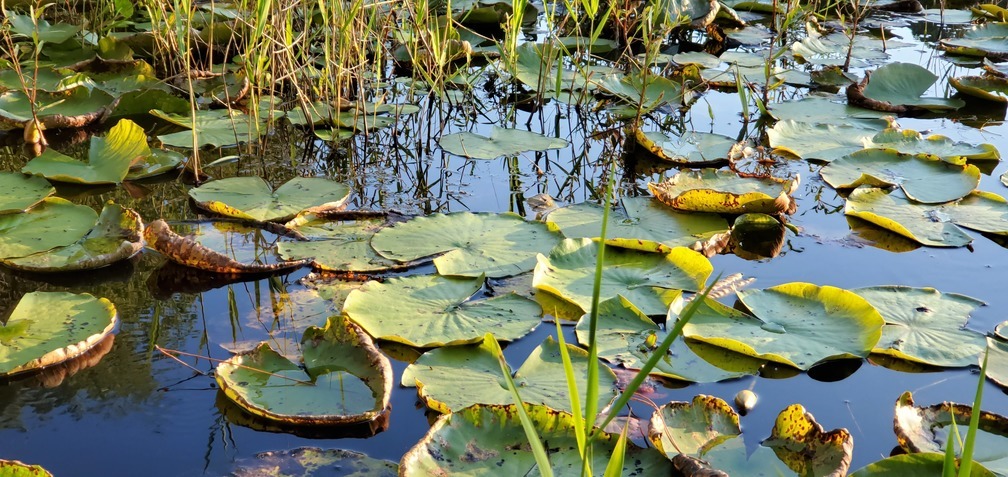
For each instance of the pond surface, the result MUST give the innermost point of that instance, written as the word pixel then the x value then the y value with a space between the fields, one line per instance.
pixel 138 412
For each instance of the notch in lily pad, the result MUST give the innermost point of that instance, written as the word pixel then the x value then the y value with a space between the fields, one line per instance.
pixel 251 198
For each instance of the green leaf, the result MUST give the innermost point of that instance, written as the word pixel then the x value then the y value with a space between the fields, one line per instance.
pixel 627 337
pixel 40 29
pixel 14 468
pixel 490 441
pixel 116 236
pixel 695 149
pixel 76 109
pixel 926 326
pixel 48 328
pixel 642 224
pixel 502 142
pixel 451 378
pixel 109 158
pixel 837 50
pixel 923 179
pixel 53 223
pixel 340 246
pixel 345 379
pixel 215 127
pixel 990 40
pixel 251 198
pixel 314 462
pixel 45 79
pixel 997 357
pixel 721 191
pixel 820 110
pixel 437 311
pixel 908 141
pixel 159 161
pixel 19 192
pixel 913 465
pixel 798 324
pixel 990 88
pixel 693 428
pixel 648 280
pixel 822 142
pixel 468 244
pixel 903 84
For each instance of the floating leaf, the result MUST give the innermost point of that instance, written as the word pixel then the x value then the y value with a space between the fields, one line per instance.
pixel 798 324
pixel 757 236
pixel 250 198
pixel 339 246
pixel 191 253
pixel 14 468
pixel 215 127
pixel 502 142
pixel 997 357
pixel 642 224
pixel 48 328
pixel 648 280
pixel 159 161
pixel 922 179
pixel 839 50
pixel 45 79
pixel 989 40
pixel 820 110
pixel 991 88
pixel 452 378
pixel 627 337
pixel 897 88
pixel 53 223
pixel 643 92
pixel 77 109
pixel 928 429
pixel 116 236
pixel 345 379
pixel 693 428
pixel 468 244
pixel 908 141
pixel 695 149
pixel 19 192
pixel 719 191
pixel 490 441
pixel 315 462
pixel 109 158
pixel 926 326
pixel 823 142
pixel 40 29
pixel 914 465
pixel 438 311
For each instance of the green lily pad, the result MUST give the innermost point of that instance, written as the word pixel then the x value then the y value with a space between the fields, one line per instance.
pixel 315 462
pixel 439 311
pixel 109 158
pixel 642 224
pixel 348 117
pixel 923 179
pixel 908 141
pixel 14 468
pixel 696 14
pixel 159 161
pixel 926 326
pixel 836 50
pixel 468 244
pixel 900 86
pixel 40 29
pixel 997 357
pixel 914 465
pixel 823 142
pixel 643 91
pixel 215 127
pixel 538 67
pixel 721 191
pixel 997 69
pixel 250 198
pixel 797 324
pixel 989 40
pixel 19 192
pixel 78 108
pixel 695 149
pixel 648 280
pixel 699 58
pixel 116 236
pixel 821 110
pixel 47 328
pixel 928 429
pixel 45 79
pixel 991 88
pixel 502 142
pixel 339 246
pixel 452 378
pixel 345 379
pixel 693 428
pixel 490 441
pixel 53 223
pixel 931 225
pixel 627 337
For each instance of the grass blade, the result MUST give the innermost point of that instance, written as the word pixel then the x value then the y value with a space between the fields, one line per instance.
pixel 615 466
pixel 580 429
pixel 966 459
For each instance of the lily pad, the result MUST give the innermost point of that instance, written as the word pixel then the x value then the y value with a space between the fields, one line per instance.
pixel 19 192
pixel 913 465
pixel 215 127
pixel 648 280
pixel 338 246
pixel 45 79
pixel 836 50
pixel 643 92
pixel 312 461
pixel 823 142
pixel 116 236
pixel 48 328
pixel 250 198
pixel 233 254
pixel 452 378
pixel 53 223
pixel 642 224
pixel 693 428
pixel 490 441
pixel 908 141
pixel 720 191
pixel 696 149
pixel 468 244
pixel 158 162
pixel 997 358
pixel 990 88
pixel 78 108
pixel 821 110
pixel 926 326
pixel 345 379
pixel 40 29
pixel 989 40
pixel 897 88
pixel 14 468
pixel 928 429
pixel 502 142
pixel 438 311
pixel 797 324
pixel 627 337
pixel 923 179
pixel 109 158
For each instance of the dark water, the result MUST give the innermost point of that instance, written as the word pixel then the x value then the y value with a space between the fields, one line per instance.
pixel 139 413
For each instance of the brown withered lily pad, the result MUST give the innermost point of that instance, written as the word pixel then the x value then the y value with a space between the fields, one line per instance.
pixel 710 190
pixel 189 252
